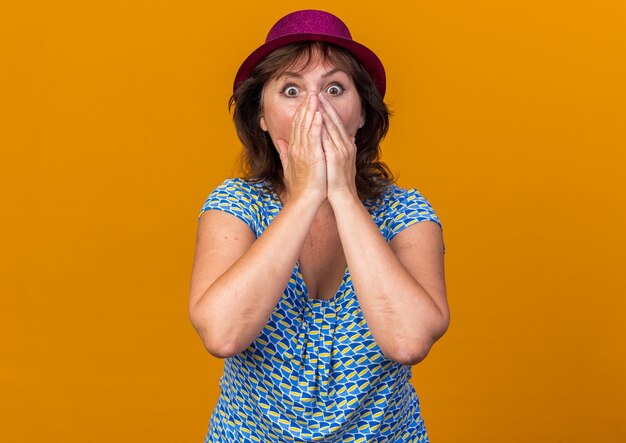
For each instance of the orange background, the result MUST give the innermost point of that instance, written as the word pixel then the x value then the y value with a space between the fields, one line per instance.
pixel 509 117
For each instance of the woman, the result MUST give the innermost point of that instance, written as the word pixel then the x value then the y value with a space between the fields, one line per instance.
pixel 316 278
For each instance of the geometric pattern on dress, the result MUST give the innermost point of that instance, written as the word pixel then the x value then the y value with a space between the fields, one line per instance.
pixel 315 373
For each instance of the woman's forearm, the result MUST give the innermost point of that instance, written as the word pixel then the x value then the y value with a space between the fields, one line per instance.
pixel 234 309
pixel 403 318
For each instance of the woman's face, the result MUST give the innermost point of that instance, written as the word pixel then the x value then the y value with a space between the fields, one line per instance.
pixel 283 95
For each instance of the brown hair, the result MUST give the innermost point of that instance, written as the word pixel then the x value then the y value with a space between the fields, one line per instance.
pixel 260 159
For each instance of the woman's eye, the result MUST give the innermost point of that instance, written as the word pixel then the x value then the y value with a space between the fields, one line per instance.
pixel 334 89
pixel 290 91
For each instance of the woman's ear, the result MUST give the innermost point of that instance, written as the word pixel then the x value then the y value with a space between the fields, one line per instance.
pixel 262 124
pixel 362 122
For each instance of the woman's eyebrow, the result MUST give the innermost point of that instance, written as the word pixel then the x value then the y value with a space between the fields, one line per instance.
pixel 298 75
pixel 333 71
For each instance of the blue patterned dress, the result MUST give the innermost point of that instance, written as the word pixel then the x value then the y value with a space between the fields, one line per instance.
pixel 315 372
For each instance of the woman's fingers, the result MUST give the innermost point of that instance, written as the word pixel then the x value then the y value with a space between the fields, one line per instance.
pixel 302 120
pixel 330 150
pixel 315 134
pixel 305 170
pixel 295 126
pixel 332 140
pixel 307 121
pixel 335 127
pixel 340 152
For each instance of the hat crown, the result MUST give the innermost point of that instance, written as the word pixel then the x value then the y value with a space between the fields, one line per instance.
pixel 311 25
pixel 309 21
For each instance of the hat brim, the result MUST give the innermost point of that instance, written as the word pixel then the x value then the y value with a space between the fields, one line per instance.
pixel 364 55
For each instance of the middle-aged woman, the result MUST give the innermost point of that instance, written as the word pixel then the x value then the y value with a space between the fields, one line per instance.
pixel 317 279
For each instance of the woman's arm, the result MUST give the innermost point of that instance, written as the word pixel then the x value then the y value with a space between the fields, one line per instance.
pixel 400 285
pixel 237 280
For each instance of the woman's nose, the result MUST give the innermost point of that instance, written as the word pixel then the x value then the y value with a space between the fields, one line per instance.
pixel 310 95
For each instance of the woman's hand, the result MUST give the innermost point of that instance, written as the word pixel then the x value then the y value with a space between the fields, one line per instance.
pixel 340 151
pixel 302 158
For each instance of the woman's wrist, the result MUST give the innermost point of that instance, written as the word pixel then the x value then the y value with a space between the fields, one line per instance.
pixel 308 198
pixel 343 196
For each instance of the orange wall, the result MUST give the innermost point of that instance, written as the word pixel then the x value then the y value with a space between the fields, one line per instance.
pixel 509 117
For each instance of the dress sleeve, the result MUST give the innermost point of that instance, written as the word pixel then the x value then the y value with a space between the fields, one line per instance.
pixel 408 209
pixel 234 197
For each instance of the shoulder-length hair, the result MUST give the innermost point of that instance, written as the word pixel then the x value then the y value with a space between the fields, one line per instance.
pixel 260 159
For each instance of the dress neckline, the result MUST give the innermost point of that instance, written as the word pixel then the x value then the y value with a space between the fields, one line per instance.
pixel 305 293
pixel 297 270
